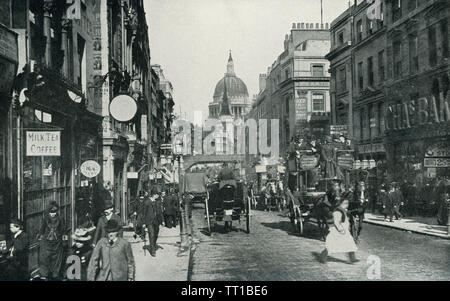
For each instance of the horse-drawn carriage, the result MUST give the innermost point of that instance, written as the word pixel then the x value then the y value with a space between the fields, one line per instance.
pixel 273 196
pixel 227 202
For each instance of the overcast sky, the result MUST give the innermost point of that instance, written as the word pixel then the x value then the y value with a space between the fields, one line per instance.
pixel 190 39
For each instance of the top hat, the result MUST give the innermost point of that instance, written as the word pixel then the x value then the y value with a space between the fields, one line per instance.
pixel 112 226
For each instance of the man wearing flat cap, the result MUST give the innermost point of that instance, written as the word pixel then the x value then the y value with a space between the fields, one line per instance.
pixel 112 258
pixel 108 214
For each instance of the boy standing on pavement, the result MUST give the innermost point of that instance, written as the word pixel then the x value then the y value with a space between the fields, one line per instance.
pixel 153 218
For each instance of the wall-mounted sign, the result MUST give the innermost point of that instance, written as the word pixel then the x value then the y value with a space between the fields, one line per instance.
pixel 123 108
pixel 436 162
pixel 90 169
pixel 345 161
pixel 260 169
pixel 132 175
pixel 43 143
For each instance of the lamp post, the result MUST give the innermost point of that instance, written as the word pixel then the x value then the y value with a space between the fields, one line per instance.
pixel 448 218
pixel 184 234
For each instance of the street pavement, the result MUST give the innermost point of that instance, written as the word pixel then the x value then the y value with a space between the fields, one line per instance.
pixel 273 251
pixel 170 263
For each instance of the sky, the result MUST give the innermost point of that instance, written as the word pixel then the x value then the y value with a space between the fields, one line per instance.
pixel 191 40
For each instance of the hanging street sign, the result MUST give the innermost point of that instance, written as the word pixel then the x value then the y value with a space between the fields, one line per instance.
pixel 90 169
pixel 43 143
pixel 123 108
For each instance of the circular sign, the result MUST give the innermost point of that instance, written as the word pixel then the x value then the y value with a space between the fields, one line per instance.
pixel 123 108
pixel 90 169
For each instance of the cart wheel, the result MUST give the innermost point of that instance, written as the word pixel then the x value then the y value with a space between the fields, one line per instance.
pixel 299 223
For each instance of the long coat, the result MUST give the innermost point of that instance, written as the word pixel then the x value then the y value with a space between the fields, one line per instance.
pixel 153 213
pixel 17 267
pixel 111 262
pixel 170 204
pixel 100 232
pixel 51 249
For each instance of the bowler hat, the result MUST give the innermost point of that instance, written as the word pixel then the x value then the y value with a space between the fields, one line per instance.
pixel 112 226
pixel 108 205
pixel 16 222
pixel 54 207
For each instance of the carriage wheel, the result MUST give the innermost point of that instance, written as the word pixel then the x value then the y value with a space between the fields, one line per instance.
pixel 299 223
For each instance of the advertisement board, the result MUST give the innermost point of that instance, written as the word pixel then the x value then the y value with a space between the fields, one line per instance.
pixel 43 143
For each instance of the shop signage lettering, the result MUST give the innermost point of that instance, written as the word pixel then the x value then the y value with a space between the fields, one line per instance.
pixel 90 169
pixel 346 161
pixel 308 162
pixel 436 162
pixel 43 144
pixel 416 113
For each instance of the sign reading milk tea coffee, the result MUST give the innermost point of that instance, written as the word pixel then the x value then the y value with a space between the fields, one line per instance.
pixel 43 143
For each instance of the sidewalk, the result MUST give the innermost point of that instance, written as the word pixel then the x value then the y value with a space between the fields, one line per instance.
pixel 169 264
pixel 422 225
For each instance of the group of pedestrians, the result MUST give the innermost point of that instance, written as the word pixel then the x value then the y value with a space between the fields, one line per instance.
pixel 103 252
pixel 392 199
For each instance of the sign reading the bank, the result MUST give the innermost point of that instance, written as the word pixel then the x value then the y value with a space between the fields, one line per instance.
pixel 90 169
pixel 43 143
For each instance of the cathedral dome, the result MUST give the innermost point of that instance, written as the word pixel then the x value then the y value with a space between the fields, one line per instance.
pixel 236 88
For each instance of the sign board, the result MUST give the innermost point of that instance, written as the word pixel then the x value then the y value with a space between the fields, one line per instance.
pixel 260 169
pixel 8 44
pixel 43 143
pixel 90 169
pixel 281 169
pixel 439 151
pixel 301 109
pixel 345 161
pixel 166 146
pixel 123 108
pixel 308 162
pixel 436 162
pixel 339 130
pixel 132 175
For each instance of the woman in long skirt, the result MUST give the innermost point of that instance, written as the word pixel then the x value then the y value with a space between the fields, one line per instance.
pixel 51 250
pixel 339 239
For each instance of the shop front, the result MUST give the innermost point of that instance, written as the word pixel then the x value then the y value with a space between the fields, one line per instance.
pixel 8 67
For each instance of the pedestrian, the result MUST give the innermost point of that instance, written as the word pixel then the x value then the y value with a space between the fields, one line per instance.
pixel 170 209
pixel 339 239
pixel 51 249
pixel 108 214
pixel 112 258
pixel 139 213
pixel 153 219
pixel 81 247
pixel 394 201
pixel 17 264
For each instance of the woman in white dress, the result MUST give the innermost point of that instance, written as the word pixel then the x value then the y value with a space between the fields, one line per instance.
pixel 339 239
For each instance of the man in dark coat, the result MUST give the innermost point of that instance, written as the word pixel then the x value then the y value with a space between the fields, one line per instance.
pixel 17 265
pixel 112 258
pixel 139 212
pixel 153 219
pixel 395 199
pixel 108 214
pixel 170 204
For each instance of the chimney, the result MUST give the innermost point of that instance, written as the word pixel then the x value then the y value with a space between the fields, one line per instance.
pixel 262 82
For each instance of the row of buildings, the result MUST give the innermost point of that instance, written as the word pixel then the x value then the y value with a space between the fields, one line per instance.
pixel 378 74
pixel 62 65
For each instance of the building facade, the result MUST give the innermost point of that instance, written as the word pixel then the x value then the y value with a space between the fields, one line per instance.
pixel 295 89
pixel 417 86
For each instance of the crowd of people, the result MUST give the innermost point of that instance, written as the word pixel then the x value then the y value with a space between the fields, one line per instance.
pixel 104 253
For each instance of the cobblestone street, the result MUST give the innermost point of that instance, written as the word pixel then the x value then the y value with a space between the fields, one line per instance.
pixel 272 251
